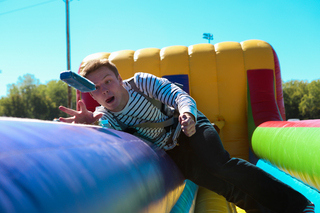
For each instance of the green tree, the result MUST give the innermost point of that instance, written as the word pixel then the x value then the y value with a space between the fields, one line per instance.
pixel 12 105
pixel 30 99
pixel 302 99
pixel 310 103
pixel 293 91
pixel 57 93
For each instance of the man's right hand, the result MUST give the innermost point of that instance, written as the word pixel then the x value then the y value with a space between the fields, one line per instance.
pixel 83 116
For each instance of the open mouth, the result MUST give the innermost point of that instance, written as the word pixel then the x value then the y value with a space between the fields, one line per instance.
pixel 109 100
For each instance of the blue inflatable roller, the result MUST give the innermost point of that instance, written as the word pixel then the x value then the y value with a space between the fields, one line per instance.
pixel 58 167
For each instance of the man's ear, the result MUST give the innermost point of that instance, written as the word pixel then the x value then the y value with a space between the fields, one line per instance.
pixel 120 79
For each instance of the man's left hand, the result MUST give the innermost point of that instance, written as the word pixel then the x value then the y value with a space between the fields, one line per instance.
pixel 188 124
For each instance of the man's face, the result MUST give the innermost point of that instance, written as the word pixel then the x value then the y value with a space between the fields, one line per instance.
pixel 109 90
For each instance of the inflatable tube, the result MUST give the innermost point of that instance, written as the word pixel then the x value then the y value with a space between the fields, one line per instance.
pixel 187 200
pixel 58 167
pixel 292 146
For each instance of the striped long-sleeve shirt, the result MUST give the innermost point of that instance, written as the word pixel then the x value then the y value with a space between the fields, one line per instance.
pixel 140 110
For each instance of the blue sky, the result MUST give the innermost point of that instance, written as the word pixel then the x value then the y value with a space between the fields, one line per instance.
pixel 33 32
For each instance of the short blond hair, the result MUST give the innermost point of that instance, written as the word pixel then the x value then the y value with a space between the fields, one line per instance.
pixel 90 66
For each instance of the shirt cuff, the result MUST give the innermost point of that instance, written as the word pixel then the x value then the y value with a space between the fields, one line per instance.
pixel 191 110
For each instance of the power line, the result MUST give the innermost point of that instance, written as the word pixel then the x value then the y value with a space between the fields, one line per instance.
pixel 24 8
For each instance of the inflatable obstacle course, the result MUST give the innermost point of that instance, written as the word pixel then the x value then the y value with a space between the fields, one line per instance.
pixel 236 85
pixel 56 167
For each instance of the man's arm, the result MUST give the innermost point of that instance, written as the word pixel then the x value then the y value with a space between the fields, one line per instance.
pixel 170 94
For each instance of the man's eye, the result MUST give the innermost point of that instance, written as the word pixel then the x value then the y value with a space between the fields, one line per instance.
pixel 108 81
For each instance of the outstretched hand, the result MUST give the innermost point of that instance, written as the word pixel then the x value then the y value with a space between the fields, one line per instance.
pixel 188 124
pixel 83 116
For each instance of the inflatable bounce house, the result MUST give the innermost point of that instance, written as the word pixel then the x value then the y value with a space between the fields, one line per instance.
pixel 58 167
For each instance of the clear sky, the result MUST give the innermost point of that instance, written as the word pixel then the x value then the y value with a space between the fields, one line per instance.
pixel 33 32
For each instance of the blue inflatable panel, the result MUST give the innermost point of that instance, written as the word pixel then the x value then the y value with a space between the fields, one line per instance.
pixel 311 193
pixel 58 167
pixel 181 79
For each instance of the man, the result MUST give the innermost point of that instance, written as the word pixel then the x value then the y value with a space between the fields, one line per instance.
pixel 200 154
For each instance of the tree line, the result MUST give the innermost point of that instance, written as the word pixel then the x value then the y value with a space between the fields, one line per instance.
pixel 302 99
pixel 29 99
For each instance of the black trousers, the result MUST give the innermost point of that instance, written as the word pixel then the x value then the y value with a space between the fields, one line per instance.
pixel 203 160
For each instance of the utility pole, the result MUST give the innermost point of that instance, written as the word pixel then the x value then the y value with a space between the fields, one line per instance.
pixel 68 52
pixel 208 36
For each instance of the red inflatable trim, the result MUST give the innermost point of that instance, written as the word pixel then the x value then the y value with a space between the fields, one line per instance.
pixel 279 92
pixel 263 102
pixel 283 124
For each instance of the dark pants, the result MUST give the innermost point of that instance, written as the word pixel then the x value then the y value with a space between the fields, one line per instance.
pixel 203 160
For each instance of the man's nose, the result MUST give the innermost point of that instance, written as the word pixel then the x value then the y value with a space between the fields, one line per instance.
pixel 105 89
